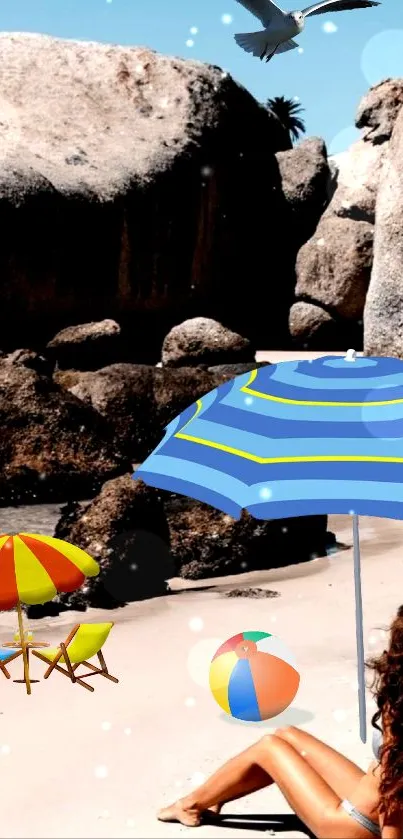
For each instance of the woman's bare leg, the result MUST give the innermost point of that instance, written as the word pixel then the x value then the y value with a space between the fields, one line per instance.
pixel 342 775
pixel 338 771
pixel 311 798
pixel 247 777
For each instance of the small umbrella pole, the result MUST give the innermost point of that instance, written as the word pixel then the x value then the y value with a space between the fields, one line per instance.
pixel 359 630
pixel 23 647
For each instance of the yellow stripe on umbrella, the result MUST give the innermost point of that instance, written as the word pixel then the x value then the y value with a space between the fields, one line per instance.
pixel 32 581
pixel 33 568
pixel 83 562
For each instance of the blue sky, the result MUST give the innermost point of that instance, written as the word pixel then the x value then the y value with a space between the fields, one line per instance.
pixel 329 75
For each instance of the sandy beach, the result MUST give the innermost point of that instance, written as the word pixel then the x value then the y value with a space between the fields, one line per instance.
pixel 75 763
pixel 78 764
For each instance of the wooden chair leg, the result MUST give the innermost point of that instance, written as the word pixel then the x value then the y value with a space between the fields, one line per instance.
pixel 84 684
pixel 52 666
pixel 68 662
pixel 4 670
pixel 105 671
pixel 99 670
pixel 102 662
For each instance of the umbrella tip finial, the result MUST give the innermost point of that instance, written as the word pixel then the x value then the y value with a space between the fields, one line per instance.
pixel 351 355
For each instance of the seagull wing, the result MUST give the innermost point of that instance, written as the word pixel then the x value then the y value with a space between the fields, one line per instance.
pixel 264 10
pixel 286 46
pixel 337 6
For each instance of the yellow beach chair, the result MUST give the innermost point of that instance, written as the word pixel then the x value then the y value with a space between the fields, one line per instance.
pixel 85 641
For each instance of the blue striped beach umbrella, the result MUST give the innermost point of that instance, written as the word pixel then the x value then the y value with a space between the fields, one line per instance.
pixel 296 438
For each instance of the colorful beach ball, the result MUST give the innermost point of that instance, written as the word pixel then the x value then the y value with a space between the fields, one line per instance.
pixel 253 676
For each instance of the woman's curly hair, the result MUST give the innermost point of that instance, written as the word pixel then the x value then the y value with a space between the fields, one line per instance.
pixel 387 689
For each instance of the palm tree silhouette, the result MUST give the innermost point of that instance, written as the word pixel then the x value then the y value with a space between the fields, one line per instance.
pixel 286 111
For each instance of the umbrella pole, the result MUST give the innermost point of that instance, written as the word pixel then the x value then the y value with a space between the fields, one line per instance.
pixel 23 647
pixel 359 631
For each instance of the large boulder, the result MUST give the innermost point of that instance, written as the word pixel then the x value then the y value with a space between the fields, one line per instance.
pixel 334 267
pixel 383 315
pixel 225 372
pixel 208 543
pixel 88 346
pixel 306 183
pixel 146 207
pixel 124 529
pixel 124 395
pixel 177 388
pixel 142 537
pixel 53 447
pixel 204 341
pixel 138 400
pixel 359 168
pixel 378 110
pixel 358 173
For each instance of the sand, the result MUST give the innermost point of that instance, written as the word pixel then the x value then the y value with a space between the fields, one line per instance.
pixel 77 764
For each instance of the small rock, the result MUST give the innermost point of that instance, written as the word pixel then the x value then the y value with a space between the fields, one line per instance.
pixel 311 327
pixel 88 346
pixel 255 593
pixel 204 341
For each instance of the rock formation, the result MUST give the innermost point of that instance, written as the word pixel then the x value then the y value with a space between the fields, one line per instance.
pixel 383 315
pixel 138 400
pixel 142 203
pixel 53 447
pixel 142 538
pixel 333 268
pixel 135 275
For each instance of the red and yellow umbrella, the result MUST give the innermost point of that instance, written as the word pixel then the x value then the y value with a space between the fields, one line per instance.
pixel 34 568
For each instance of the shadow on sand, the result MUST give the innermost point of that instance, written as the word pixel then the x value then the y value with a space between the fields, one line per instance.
pixel 270 823
pixel 275 823
pixel 291 716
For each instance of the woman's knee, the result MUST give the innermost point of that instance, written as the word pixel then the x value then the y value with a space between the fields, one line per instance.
pixel 286 732
pixel 267 741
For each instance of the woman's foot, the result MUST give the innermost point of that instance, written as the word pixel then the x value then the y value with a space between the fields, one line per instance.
pixel 184 814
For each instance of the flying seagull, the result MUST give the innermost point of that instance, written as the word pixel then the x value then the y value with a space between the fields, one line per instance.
pixel 281 27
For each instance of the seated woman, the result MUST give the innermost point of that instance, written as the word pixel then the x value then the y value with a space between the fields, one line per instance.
pixel 328 792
